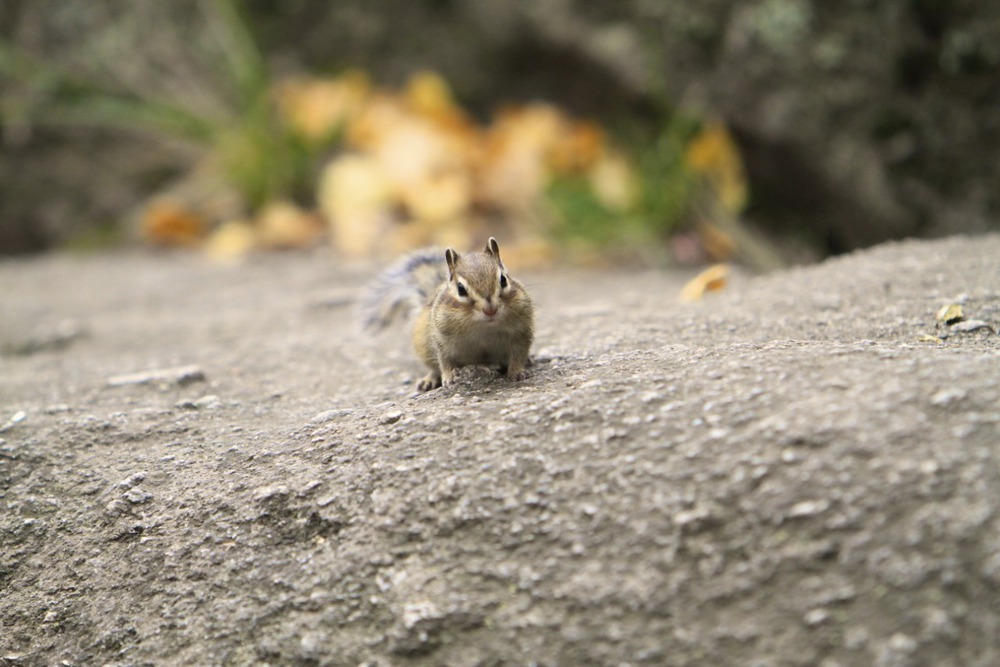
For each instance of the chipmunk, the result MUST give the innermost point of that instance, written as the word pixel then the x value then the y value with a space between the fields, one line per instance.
pixel 471 311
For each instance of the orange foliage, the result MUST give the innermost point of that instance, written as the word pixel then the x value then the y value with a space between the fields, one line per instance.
pixel 418 159
pixel 171 224
pixel 317 108
pixel 415 169
pixel 283 225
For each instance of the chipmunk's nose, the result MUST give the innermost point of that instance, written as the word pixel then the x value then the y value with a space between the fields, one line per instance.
pixel 490 309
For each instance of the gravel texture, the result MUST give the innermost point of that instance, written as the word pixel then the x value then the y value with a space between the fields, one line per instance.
pixel 208 465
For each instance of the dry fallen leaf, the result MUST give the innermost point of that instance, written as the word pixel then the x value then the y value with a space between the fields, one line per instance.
pixel 231 242
pixel 513 172
pixel 414 151
pixel 354 197
pixel 928 338
pixel 282 225
pixel 316 108
pixel 171 224
pixel 950 313
pixel 711 279
pixel 428 94
pixel 438 199
pixel 422 172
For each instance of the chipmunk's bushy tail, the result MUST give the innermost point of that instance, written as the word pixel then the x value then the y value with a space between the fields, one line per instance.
pixel 405 286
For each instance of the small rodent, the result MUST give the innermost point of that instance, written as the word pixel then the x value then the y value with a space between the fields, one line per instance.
pixel 471 311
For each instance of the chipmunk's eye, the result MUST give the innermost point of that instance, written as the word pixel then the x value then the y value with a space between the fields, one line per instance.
pixel 503 281
pixel 462 292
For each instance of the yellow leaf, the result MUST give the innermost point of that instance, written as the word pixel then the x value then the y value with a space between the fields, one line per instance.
pixel 950 313
pixel 438 199
pixel 317 107
pixel 711 279
pixel 231 242
pixel 353 196
pixel 927 338
pixel 514 169
pixel 381 113
pixel 538 126
pixel 613 182
pixel 414 150
pixel 428 94
pixel 282 224
pixel 714 155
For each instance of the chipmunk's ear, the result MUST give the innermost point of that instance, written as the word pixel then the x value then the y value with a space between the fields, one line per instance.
pixel 493 248
pixel 451 257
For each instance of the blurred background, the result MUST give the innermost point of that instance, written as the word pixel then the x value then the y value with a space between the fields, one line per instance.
pixel 766 131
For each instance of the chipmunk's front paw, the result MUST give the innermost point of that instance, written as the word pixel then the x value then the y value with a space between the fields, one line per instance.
pixel 428 382
pixel 447 377
pixel 517 373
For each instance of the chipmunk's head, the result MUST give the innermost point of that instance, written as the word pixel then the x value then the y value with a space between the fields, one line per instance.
pixel 479 283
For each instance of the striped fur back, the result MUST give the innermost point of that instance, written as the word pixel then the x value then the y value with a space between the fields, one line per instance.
pixel 405 286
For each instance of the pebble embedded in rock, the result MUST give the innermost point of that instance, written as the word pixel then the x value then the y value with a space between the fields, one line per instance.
pixel 816 617
pixel 948 396
pixel 132 480
pixel 808 508
pixel 268 492
pixel 391 417
pixel 902 643
pixel 16 419
pixel 693 518
pixel 116 507
pixel 137 496
pixel 208 402
pixel 331 415
pixel 180 375
pixel 968 326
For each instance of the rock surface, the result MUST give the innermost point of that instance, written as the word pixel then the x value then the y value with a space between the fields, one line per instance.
pixel 791 472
